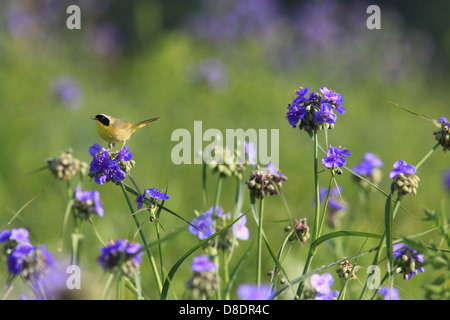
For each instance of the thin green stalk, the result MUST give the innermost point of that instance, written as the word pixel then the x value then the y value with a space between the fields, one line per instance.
pixel 427 155
pixel 324 213
pixel 144 240
pixel 259 244
pixel 315 233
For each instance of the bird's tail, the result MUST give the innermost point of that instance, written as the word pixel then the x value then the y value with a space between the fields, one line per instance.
pixel 141 124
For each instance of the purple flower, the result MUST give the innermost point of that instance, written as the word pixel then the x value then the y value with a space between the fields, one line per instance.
pixel 203 225
pixel 89 201
pixel 301 95
pixel 16 259
pixel 240 230
pixel 253 292
pixel 408 260
pixel 332 96
pixel 124 154
pixel 18 235
pixel 274 170
pixel 334 202
pixel 446 179
pixel 153 193
pixel 251 152
pixel 202 263
pixel 322 283
pixel 366 166
pixel 325 114
pixel 402 167
pixel 115 254
pixel 335 157
pixel 103 169
pixel 386 292
pixel 295 113
pixel 67 91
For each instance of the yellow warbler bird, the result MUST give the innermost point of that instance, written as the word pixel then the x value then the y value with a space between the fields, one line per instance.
pixel 114 130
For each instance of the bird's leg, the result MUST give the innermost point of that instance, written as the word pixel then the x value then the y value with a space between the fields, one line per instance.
pixel 123 145
pixel 111 145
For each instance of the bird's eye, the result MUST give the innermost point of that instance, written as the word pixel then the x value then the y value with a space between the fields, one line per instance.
pixel 104 120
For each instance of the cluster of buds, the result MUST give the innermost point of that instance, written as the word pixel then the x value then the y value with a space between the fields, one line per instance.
pixel 443 135
pixel 226 162
pixel 406 183
pixel 407 260
pixel 205 281
pixel 65 166
pixel 346 270
pixel 203 284
pixel 265 183
pixel 121 255
pixel 300 232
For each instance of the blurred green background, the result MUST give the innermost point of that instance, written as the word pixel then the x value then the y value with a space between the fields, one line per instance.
pixel 230 64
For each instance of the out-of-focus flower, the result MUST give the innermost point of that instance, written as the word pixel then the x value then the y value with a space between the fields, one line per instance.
pixel 385 293
pixel 407 260
pixel 203 226
pixel 202 263
pixel 336 207
pixel 205 281
pixel 253 292
pixel 65 166
pixel 446 179
pixel 250 152
pixel 87 203
pixel 322 285
pixel 369 168
pixel 107 41
pixel 240 230
pixel 68 92
pixel 120 255
pixel 212 72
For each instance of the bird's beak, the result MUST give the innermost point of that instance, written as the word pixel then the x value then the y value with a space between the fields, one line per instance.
pixel 94 118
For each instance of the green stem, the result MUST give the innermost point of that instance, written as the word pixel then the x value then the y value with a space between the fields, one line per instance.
pixel 316 231
pixel 144 240
pixel 427 155
pixel 259 248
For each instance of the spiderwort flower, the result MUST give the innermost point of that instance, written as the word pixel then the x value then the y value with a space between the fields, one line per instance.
pixel 369 168
pixel 153 193
pixel 446 179
pixel 335 158
pixel 202 226
pixel 120 255
pixel 322 285
pixel 106 166
pixel 240 230
pixel 336 207
pixel 405 179
pixel 253 292
pixel 202 263
pixel 315 111
pixel 385 293
pixel 204 283
pixel 87 203
pixel 443 135
pixel 407 260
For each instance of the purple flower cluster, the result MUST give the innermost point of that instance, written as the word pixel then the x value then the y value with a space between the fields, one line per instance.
pixel 120 254
pixel 368 164
pixel 153 193
pixel 315 110
pixel 106 166
pixel 24 258
pixel 202 263
pixel 322 285
pixel 206 224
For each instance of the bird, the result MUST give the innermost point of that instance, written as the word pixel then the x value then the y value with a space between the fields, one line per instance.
pixel 114 130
